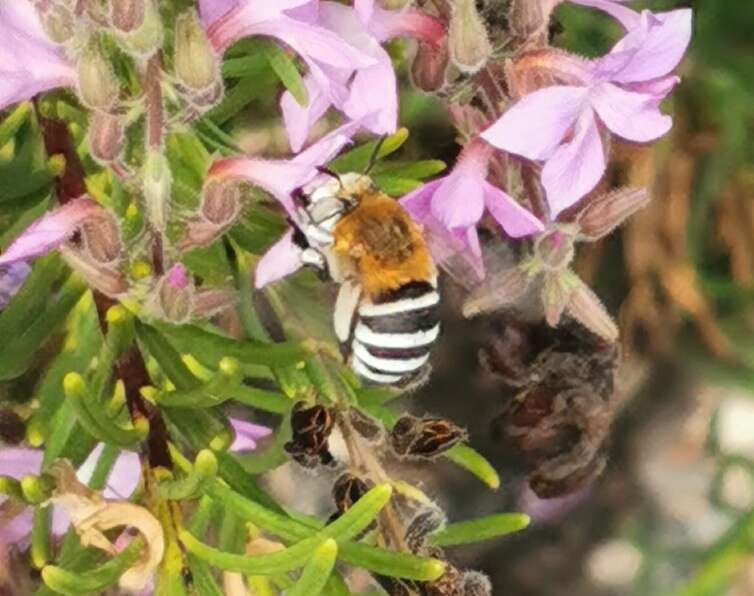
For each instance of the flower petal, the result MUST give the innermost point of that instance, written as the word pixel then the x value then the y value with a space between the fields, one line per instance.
pixel 459 200
pixel 247 434
pixel 18 462
pixel 625 16
pixel 282 259
pixel 364 9
pixel 11 280
pixel 29 62
pixel 418 202
pixel 535 126
pixel 212 10
pixel 633 116
pixel 300 119
pixel 49 231
pixel 512 217
pixel 123 478
pixel 657 45
pixel 374 97
pixel 576 167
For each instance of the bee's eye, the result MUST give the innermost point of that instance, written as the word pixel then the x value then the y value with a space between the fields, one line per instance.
pixel 300 198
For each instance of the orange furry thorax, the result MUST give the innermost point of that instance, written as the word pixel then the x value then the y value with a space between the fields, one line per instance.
pixel 386 245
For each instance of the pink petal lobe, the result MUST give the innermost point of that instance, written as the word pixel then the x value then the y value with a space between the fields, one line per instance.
pixel 576 167
pixel 658 45
pixel 512 217
pixel 299 119
pixel 247 434
pixel 418 202
pixel 374 97
pixel 364 9
pixel 49 231
pixel 282 259
pixel 459 200
pixel 18 462
pixel 536 125
pixel 633 116
pixel 212 10
pixel 625 16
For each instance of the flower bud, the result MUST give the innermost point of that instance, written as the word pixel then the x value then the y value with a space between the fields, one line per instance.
pixel 554 249
pixel 105 136
pixel 529 18
pixel 429 67
pixel 468 42
pixel 158 184
pixel 196 63
pixel 106 278
pixel 58 22
pixel 605 213
pixel 175 292
pixel 127 15
pixel 144 40
pixel 98 86
pixel 101 239
pixel 221 202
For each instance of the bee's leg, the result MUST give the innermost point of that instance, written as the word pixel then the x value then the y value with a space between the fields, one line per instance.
pixel 318 235
pixel 345 309
pixel 314 258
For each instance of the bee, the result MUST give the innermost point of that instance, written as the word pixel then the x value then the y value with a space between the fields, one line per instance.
pixel 386 313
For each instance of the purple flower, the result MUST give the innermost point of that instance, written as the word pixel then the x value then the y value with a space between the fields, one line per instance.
pixel 29 62
pixel 50 231
pixel 280 178
pixel 247 434
pixel 367 94
pixel 562 125
pixel 18 462
pixel 452 206
pixel 324 52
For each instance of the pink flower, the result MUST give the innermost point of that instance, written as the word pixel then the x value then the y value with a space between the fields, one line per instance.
pixel 367 94
pixel 247 434
pixel 18 462
pixel 11 280
pixel 29 62
pixel 562 125
pixel 280 178
pixel 50 231
pixel 453 206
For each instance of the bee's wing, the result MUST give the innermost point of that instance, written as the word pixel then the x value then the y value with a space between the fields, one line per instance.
pixel 346 304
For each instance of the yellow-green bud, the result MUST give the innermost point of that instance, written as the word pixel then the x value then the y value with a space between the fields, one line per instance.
pixel 196 63
pixel 59 23
pixel 127 15
pixel 147 38
pixel 469 42
pixel 98 86
pixel 158 183
pixel 105 136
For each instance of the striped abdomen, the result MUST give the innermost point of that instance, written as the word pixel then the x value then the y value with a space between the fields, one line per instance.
pixel 394 334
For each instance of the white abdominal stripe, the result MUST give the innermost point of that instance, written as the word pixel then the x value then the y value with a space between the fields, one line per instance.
pixel 393 338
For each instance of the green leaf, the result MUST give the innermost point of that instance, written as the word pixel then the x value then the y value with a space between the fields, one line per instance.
pixel 395 186
pixel 167 357
pixel 390 563
pixel 483 528
pixel 220 388
pixel 286 70
pixel 72 583
pixel 16 356
pixel 474 462
pixel 317 570
pixel 40 536
pixel 14 121
pixel 215 347
pixel 194 484
pixel 357 160
pixel 415 170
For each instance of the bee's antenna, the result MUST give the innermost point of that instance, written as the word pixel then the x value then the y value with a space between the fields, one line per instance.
pixel 331 173
pixel 375 153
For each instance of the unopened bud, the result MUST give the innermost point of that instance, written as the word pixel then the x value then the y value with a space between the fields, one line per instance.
pixel 101 238
pixel 106 278
pixel 144 40
pixel 158 183
pixel 221 202
pixel 554 249
pixel 587 309
pixel 127 15
pixel 175 293
pixel 208 303
pixel 468 42
pixel 476 584
pixel 429 66
pixel 98 86
pixel 105 136
pixel 605 213
pixel 529 18
pixel 196 63
pixel 58 22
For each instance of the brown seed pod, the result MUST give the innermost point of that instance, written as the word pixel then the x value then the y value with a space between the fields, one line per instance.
pixel 366 426
pixel 347 490
pixel 424 523
pixel 311 428
pixel 424 437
